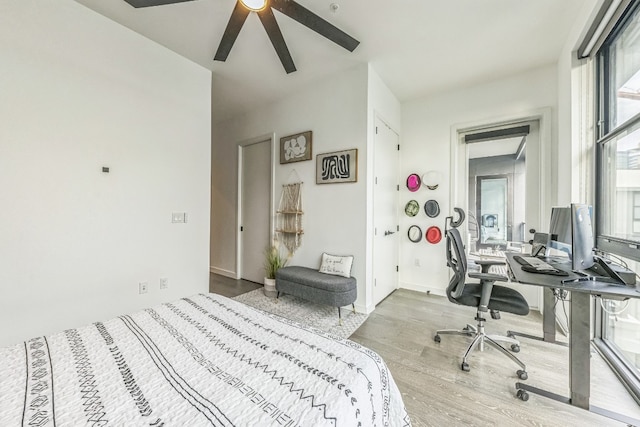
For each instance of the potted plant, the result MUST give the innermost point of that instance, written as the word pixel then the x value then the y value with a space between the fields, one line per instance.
pixel 273 262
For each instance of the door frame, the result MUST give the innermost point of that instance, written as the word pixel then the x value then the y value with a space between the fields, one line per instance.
pixel 459 171
pixel 271 138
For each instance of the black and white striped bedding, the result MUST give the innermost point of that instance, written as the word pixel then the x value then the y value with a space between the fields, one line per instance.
pixel 204 360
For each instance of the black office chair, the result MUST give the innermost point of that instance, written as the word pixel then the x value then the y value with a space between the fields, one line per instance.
pixel 485 296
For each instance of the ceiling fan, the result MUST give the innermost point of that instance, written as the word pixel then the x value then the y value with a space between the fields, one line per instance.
pixel 264 9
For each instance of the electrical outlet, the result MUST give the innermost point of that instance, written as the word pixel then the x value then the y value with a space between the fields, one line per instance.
pixel 417 262
pixel 143 287
pixel 164 283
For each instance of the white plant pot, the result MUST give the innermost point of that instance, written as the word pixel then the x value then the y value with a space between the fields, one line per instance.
pixel 270 288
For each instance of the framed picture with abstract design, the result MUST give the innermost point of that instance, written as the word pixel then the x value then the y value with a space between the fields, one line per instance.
pixel 295 148
pixel 336 167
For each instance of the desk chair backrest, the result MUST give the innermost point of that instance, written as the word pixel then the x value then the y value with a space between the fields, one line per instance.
pixel 457 261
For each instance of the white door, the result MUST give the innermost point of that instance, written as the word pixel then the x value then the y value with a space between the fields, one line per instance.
pixel 255 207
pixel 385 213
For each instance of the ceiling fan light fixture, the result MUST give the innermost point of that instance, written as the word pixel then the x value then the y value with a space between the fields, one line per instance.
pixel 254 5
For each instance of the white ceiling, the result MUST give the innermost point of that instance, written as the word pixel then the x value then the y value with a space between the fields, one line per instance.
pixel 418 47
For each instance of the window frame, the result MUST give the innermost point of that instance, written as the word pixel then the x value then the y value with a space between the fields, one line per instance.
pixel 628 248
pixel 635 216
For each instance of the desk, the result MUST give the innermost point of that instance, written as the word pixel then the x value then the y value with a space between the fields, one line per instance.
pixel 579 323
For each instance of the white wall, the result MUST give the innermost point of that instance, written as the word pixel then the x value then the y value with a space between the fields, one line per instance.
pixel 338 218
pixel 427 125
pixel 335 214
pixel 79 92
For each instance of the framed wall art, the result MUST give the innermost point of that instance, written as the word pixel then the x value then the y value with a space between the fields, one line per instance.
pixel 337 167
pixel 295 148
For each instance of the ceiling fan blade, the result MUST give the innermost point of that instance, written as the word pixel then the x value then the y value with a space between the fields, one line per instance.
pixel 314 22
pixel 230 35
pixel 275 35
pixel 149 3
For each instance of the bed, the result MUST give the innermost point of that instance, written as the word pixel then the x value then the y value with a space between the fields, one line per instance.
pixel 199 361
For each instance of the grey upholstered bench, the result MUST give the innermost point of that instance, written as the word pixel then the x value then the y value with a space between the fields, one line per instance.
pixel 321 288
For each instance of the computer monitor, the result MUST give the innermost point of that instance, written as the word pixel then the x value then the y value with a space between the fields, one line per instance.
pixel 559 243
pixel 582 237
pixel 571 235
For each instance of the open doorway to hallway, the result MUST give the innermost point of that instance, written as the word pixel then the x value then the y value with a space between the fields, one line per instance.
pixel 501 187
pixel 497 193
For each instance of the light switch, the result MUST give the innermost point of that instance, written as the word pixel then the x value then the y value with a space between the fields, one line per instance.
pixel 179 217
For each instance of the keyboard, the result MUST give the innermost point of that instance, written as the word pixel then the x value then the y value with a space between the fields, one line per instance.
pixel 534 262
pixel 536 265
pixel 502 270
pixel 491 252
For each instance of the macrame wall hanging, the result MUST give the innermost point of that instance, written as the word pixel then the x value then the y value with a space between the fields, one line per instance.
pixel 289 222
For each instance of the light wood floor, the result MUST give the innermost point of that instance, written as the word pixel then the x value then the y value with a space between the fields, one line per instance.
pixel 437 393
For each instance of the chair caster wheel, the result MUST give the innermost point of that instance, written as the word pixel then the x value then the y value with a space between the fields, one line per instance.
pixel 436 338
pixel 515 348
pixel 522 375
pixel 465 367
pixel 522 395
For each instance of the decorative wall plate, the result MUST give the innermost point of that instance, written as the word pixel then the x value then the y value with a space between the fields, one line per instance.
pixel 431 180
pixel 433 234
pixel 432 208
pixel 415 233
pixel 412 208
pixel 413 182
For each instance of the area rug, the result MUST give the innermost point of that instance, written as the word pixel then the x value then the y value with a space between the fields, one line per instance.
pixel 318 316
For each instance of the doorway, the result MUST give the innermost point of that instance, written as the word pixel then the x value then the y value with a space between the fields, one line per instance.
pixel 385 212
pixel 504 187
pixel 494 210
pixel 255 208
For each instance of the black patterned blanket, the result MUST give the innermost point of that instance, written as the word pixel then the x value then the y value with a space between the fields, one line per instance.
pixel 204 360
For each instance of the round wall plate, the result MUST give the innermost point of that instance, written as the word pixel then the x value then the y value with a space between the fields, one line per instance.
pixel 413 182
pixel 431 180
pixel 412 208
pixel 432 208
pixel 433 234
pixel 414 233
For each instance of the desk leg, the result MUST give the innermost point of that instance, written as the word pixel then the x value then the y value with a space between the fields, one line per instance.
pixel 548 321
pixel 549 316
pixel 580 349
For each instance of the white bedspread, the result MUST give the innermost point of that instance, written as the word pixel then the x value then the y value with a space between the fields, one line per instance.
pixel 204 360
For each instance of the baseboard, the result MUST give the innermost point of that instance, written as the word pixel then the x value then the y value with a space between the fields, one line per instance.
pixel 364 309
pixel 422 288
pixel 223 272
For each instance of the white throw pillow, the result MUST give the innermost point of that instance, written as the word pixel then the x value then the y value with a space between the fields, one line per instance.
pixel 336 265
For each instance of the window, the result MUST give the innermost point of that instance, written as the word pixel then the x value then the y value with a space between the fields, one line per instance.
pixel 618 225
pixel 618 188
pixel 636 212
